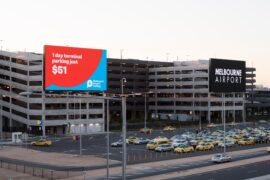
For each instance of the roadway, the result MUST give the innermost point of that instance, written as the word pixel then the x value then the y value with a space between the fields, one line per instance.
pixel 254 171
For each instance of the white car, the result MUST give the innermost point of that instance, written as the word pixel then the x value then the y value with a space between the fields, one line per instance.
pixel 220 158
pixel 176 143
pixel 268 149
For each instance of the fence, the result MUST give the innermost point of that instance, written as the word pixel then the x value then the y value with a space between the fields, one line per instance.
pixel 41 170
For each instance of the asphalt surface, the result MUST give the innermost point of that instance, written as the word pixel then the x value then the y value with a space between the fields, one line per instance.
pixel 239 173
pixel 96 145
pixel 185 166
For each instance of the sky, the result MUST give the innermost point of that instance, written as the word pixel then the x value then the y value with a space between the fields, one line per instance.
pixel 144 29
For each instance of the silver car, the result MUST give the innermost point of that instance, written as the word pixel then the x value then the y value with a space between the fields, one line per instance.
pixel 220 158
pixel 164 148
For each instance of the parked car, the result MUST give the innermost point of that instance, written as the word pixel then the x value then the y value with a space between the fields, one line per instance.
pixel 176 143
pixel 164 148
pixel 118 143
pixel 146 130
pixel 184 149
pixel 211 125
pixel 42 142
pixel 268 149
pixel 151 145
pixel 261 139
pixel 141 141
pixel 169 128
pixel 220 158
pixel 131 139
pixel 227 144
pixel 204 146
pixel 161 139
pixel 246 141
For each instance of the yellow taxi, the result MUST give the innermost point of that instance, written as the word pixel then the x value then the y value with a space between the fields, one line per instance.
pixel 146 130
pixel 184 149
pixel 161 138
pixel 211 125
pixel 156 142
pixel 131 139
pixel 204 147
pixel 246 141
pixel 42 142
pixel 232 124
pixel 169 128
pixel 153 144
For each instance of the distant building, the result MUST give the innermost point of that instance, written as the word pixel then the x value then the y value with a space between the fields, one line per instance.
pixel 258 104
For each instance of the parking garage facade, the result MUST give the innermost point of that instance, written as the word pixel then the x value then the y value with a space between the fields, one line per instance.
pixel 176 91
pixel 181 92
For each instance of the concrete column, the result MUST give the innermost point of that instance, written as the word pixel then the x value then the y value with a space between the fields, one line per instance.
pixel 244 109
pixel 209 106
pixel 10 122
pixel 209 116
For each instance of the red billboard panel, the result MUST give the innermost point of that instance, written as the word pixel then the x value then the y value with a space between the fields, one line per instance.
pixel 70 68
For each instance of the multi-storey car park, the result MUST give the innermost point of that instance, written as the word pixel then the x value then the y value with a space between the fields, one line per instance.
pixel 176 90
pixel 22 72
pixel 136 74
pixel 181 92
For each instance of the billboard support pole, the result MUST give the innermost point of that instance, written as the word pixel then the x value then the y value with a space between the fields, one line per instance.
pixel 80 126
pixel 108 139
pixel 43 115
pixel 224 121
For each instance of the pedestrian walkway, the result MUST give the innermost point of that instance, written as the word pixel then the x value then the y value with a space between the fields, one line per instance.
pixel 54 159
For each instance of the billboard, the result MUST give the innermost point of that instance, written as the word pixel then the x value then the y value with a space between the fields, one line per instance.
pixel 71 69
pixel 227 76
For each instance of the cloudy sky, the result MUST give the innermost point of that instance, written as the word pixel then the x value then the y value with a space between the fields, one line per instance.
pixel 144 29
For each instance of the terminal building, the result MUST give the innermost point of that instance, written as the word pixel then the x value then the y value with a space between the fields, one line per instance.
pixel 168 90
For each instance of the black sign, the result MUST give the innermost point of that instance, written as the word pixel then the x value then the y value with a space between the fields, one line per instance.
pixel 227 76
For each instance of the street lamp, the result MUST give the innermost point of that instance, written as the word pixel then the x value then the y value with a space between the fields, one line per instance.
pixel 145 110
pixel 124 126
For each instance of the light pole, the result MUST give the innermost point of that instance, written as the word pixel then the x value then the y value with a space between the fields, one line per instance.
pixel 224 122
pixel 145 108
pixel 108 138
pixel 124 126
